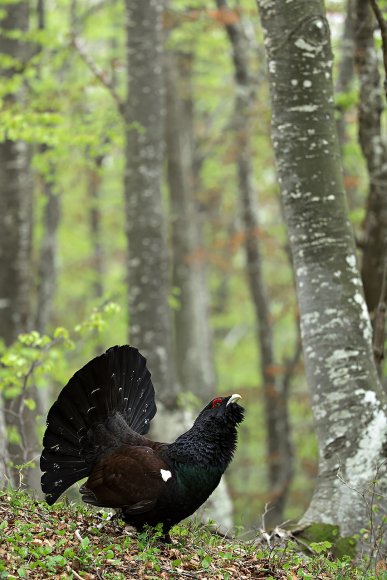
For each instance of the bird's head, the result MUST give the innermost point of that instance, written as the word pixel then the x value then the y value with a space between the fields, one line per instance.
pixel 213 436
pixel 217 429
pixel 223 410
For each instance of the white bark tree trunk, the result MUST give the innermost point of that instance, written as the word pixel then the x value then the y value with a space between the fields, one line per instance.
pixel 348 403
pixel 278 446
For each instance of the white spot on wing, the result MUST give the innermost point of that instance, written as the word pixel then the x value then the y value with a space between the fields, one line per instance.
pixel 165 474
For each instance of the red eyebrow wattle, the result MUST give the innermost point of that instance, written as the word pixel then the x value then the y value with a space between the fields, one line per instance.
pixel 216 401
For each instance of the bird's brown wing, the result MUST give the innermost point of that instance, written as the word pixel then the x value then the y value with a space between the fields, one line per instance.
pixel 131 477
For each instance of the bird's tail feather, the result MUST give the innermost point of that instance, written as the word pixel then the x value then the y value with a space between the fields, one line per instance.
pixel 102 406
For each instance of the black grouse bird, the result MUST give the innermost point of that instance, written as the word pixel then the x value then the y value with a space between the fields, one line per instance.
pixel 96 429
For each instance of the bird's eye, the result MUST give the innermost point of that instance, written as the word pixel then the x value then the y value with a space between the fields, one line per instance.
pixel 216 402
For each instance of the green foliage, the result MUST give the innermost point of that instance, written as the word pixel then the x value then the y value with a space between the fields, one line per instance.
pixel 28 356
pixel 327 536
pixel 347 100
pixel 31 362
pixel 97 320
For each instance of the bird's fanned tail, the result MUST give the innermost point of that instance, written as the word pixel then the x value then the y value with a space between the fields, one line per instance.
pixel 103 406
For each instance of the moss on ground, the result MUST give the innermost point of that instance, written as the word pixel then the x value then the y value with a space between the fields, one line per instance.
pixel 319 532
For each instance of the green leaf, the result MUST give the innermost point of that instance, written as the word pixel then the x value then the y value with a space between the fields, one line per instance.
pixel 30 404
pixel 206 561
pixel 175 563
pixel 85 542
pixel 61 332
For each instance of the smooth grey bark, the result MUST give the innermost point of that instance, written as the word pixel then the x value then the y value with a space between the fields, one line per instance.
pixel 278 446
pixel 347 399
pixel 16 249
pixel 148 269
pixel 373 144
pixel 193 344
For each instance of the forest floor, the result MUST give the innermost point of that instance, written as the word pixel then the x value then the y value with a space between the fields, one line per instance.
pixel 68 541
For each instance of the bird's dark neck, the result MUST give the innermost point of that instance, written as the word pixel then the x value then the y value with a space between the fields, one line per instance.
pixel 205 445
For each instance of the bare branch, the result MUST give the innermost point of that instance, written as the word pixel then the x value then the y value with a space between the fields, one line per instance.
pixel 97 72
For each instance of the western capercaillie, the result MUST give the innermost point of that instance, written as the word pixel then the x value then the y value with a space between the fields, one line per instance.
pixel 96 429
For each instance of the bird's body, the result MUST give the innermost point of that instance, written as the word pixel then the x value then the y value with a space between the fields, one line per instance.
pixel 97 428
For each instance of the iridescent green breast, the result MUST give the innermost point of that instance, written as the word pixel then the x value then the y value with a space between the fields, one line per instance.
pixel 196 483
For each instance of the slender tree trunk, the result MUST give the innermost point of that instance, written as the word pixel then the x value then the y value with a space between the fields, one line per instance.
pixel 373 145
pixel 192 333
pixel 47 268
pixel 15 279
pixel 95 229
pixel 346 68
pixel 347 400
pixel 15 249
pixel 94 186
pixel 47 271
pixel 345 77
pixel 278 453
pixel 148 272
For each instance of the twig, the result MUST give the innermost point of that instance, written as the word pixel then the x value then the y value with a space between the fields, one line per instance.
pixel 265 534
pixel 34 365
pixel 97 72
pixel 178 572
pixel 383 29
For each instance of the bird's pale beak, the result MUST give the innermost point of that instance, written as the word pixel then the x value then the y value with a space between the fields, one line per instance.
pixel 233 398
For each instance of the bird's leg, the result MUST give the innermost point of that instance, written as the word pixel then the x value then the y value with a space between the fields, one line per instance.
pixel 166 538
pixel 110 516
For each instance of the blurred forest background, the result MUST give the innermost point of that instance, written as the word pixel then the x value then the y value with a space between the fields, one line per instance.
pixel 206 290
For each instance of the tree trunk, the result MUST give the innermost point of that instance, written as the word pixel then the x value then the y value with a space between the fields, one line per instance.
pixel 47 268
pixel 97 250
pixel 345 69
pixel 346 395
pixel 374 149
pixel 16 250
pixel 192 333
pixel 148 272
pixel 47 271
pixel 278 451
